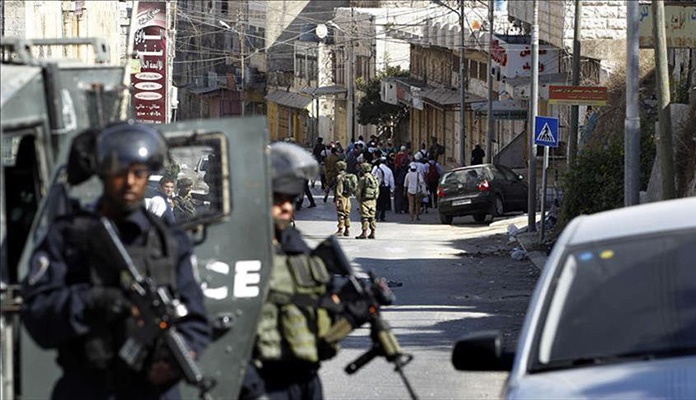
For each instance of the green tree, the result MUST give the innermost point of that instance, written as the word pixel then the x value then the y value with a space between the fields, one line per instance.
pixel 373 111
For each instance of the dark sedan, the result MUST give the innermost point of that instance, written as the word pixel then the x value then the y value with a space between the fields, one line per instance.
pixel 480 190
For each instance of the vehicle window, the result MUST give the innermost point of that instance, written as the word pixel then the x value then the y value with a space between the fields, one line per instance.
pixel 508 173
pixel 463 177
pixel 194 197
pixel 498 174
pixel 629 298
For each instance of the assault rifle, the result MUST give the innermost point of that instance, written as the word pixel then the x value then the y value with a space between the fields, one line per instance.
pixel 158 311
pixel 373 293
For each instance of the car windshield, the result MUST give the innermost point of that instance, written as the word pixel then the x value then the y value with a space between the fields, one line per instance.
pixel 630 298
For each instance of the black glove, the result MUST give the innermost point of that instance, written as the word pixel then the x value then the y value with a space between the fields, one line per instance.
pixel 357 312
pixel 107 303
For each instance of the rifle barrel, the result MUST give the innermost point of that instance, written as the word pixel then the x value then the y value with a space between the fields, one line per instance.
pixel 401 373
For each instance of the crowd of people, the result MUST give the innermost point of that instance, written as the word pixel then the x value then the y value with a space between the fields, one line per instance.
pixel 406 178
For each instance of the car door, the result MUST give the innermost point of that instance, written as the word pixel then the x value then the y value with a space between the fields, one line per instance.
pixel 516 188
pixel 232 237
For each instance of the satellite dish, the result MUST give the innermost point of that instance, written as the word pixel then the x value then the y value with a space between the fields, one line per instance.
pixel 321 31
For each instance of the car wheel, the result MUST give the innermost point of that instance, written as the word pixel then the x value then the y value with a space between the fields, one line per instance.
pixel 497 208
pixel 446 219
pixel 479 217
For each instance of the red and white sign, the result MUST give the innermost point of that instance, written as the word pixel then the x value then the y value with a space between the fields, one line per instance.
pixel 515 59
pixel 149 72
pixel 585 95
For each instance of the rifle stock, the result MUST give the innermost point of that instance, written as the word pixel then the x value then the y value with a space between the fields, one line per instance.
pixel 158 311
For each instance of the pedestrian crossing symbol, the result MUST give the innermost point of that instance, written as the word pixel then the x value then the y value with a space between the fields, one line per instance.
pixel 546 131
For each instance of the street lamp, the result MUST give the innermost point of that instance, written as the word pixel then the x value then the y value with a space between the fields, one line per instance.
pixel 350 108
pixel 462 150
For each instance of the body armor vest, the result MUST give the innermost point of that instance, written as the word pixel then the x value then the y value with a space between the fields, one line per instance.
pixel 156 258
pixel 371 189
pixel 291 320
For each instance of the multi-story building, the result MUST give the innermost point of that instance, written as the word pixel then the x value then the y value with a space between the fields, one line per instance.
pixel 69 19
pixel 293 50
pixel 333 56
pixel 432 91
pixel 212 68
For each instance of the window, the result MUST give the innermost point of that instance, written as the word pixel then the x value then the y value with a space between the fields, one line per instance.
pixel 635 293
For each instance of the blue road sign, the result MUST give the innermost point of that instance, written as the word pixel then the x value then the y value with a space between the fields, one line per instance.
pixel 546 131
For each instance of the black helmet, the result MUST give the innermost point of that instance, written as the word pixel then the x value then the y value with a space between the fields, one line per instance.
pixel 291 166
pixel 122 144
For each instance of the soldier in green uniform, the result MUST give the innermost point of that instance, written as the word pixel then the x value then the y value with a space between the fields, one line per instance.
pixel 368 190
pixel 342 200
pixel 184 206
pixel 301 322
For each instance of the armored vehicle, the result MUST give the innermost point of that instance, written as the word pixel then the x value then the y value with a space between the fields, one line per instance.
pixel 44 105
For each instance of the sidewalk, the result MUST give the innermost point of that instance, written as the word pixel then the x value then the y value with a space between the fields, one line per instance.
pixel 530 241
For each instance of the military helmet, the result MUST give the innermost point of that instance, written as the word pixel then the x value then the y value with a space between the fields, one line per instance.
pixel 365 167
pixel 291 166
pixel 341 165
pixel 184 182
pixel 122 144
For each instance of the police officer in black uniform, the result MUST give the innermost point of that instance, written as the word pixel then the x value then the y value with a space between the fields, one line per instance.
pixel 73 301
pixel 295 330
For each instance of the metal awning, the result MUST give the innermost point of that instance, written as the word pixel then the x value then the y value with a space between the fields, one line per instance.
pixel 447 97
pixel 202 89
pixel 325 90
pixel 563 78
pixel 14 79
pixel 289 99
pixel 503 109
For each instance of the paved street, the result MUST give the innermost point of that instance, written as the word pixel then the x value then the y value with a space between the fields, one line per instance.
pixel 456 279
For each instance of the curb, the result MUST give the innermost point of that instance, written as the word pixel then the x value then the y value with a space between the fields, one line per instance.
pixel 538 258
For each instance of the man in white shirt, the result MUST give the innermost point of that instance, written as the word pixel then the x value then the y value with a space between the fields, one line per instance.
pixel 162 204
pixel 385 178
pixel 413 184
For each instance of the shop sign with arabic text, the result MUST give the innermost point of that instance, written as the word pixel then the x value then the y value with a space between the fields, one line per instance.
pixel 149 66
pixel 580 95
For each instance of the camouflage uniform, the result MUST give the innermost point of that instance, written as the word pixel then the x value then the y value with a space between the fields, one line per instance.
pixel 368 188
pixel 342 202
pixel 331 173
pixel 184 207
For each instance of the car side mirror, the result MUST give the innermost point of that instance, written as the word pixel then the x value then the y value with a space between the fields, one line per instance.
pixel 199 201
pixel 481 351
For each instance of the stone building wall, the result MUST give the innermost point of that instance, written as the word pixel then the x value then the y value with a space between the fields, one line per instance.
pixel 603 31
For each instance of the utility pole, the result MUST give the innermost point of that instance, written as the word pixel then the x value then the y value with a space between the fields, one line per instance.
pixel 664 136
pixel 242 59
pixel 533 110
pixel 574 109
pixel 632 122
pixel 462 87
pixel 351 80
pixel 489 135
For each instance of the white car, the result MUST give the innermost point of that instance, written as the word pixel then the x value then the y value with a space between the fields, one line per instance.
pixel 613 314
pixel 202 167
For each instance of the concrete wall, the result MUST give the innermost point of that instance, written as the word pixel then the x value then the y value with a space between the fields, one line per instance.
pixel 64 19
pixel 603 25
